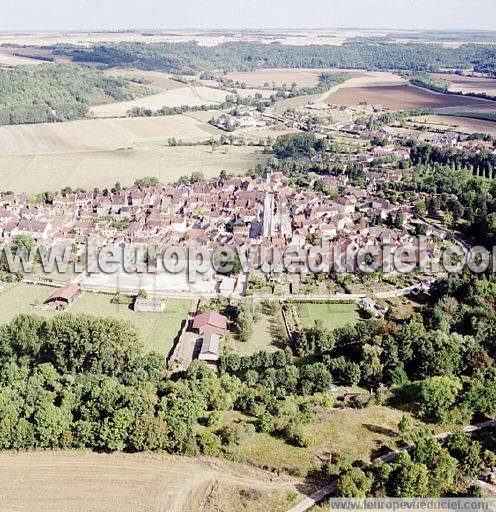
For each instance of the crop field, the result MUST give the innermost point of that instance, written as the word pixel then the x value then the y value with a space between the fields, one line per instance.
pixel 157 331
pixel 459 124
pixel 37 173
pixel 399 97
pixel 331 315
pixel 55 481
pixel 99 134
pixel 466 84
pixel 187 95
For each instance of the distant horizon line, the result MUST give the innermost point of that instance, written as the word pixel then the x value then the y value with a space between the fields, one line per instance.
pixel 239 29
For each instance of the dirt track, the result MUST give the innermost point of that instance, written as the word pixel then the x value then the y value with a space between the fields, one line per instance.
pixel 89 482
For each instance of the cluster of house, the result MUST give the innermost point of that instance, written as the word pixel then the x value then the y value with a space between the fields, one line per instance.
pixel 237 212
pixel 240 116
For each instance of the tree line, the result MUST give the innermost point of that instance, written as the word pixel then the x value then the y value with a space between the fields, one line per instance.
pixel 189 57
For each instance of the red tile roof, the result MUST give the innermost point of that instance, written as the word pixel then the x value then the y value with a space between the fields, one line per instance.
pixel 210 318
pixel 65 293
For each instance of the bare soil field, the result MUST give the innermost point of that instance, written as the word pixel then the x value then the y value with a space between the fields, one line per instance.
pixel 37 173
pixel 399 97
pixel 187 95
pixel 467 84
pixel 90 482
pixel 459 124
pixel 358 79
pixel 98 134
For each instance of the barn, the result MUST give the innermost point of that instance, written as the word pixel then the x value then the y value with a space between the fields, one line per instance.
pixel 64 297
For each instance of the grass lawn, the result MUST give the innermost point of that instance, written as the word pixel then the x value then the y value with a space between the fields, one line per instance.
pixel 354 432
pixel 261 339
pixel 24 299
pixel 331 315
pixel 157 331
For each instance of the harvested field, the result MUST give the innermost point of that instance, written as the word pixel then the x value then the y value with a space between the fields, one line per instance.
pixel 37 173
pixel 16 56
pixel 370 79
pixel 155 79
pixel 467 84
pixel 8 57
pixel 90 482
pixel 9 61
pixel 98 135
pixel 459 124
pixel 296 103
pixel 187 95
pixel 244 93
pixel 400 97
pixel 302 77
pixel 310 77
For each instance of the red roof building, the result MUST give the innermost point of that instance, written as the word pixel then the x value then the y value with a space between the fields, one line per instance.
pixel 210 322
pixel 66 295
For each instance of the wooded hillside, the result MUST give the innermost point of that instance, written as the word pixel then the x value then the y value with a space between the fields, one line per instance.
pixel 49 93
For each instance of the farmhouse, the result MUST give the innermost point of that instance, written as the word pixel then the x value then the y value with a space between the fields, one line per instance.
pixel 210 322
pixel 149 305
pixel 65 296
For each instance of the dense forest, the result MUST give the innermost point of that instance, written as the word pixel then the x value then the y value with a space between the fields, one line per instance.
pixel 49 93
pixel 459 185
pixel 190 57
